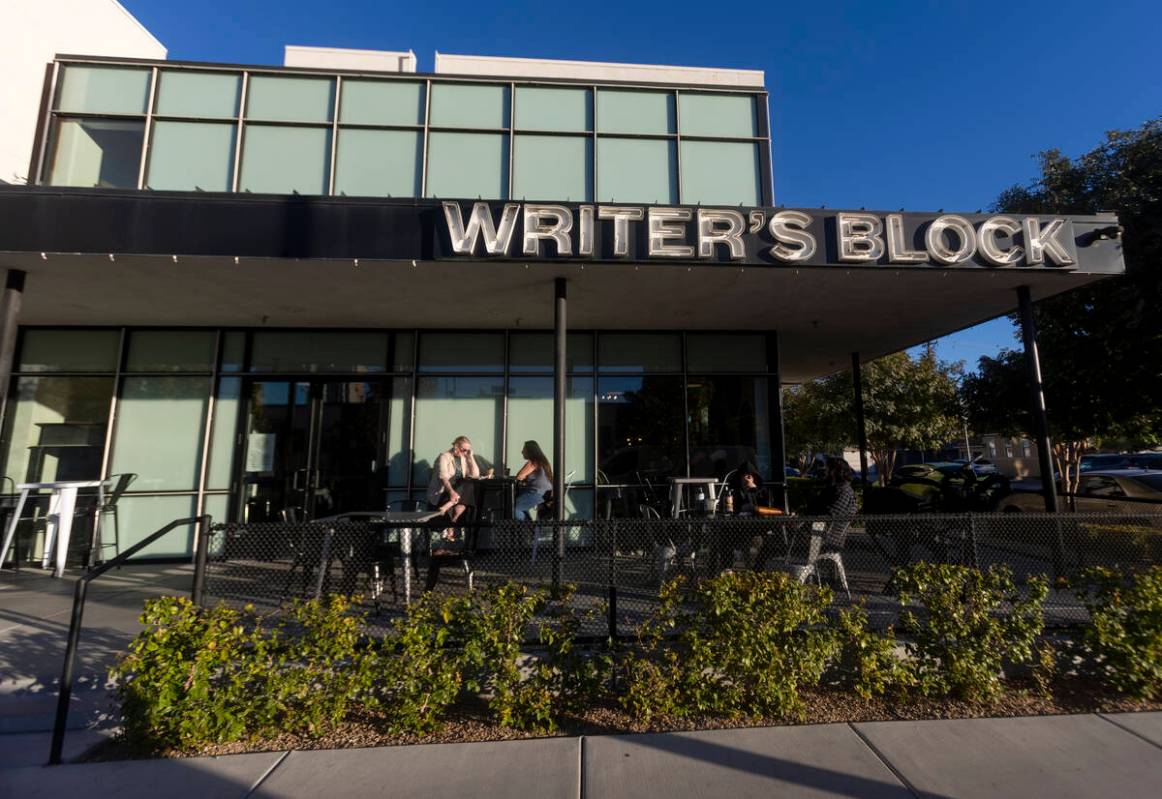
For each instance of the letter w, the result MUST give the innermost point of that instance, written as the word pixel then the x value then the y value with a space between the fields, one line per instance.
pixel 496 240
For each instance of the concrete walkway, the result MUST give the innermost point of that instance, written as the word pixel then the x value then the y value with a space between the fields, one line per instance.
pixel 1061 756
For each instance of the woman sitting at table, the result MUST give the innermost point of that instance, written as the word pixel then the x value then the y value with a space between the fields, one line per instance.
pixel 534 480
pixel 451 467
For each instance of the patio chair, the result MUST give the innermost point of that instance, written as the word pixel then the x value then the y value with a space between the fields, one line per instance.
pixel 826 544
pixel 107 506
pixel 547 508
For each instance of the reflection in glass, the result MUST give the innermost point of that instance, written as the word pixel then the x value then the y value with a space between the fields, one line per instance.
pixel 640 429
pixel 97 152
pixel 726 352
pixel 533 352
pixel 46 350
pixel 639 352
pixel 170 351
pixel 637 170
pixel 728 425
pixel 189 156
pixel 310 351
pixel 56 428
pixel 158 435
pixel 462 352
pixel 137 517
pixel 207 95
pixel 290 99
pixel 530 417
pixel 103 90
pixel 447 407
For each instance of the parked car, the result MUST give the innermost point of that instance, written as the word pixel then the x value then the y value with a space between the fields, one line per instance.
pixel 938 487
pixel 1106 461
pixel 1102 491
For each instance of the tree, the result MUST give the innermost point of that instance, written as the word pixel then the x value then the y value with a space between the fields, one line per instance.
pixel 909 403
pixel 1100 345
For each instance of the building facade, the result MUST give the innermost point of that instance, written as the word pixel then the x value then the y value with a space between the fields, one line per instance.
pixel 260 289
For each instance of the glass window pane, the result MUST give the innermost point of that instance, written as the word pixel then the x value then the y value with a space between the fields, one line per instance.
pixel 458 105
pixel 530 417
pixel 97 152
pixel 462 352
pixel 299 352
pixel 640 430
pixel 382 102
pixel 553 168
pixel 718 115
pixel 632 111
pixel 170 351
pixel 290 99
pixel 447 407
pixel 639 352
pixel 158 435
pixel 198 94
pixel 533 352
pixel 726 352
pixel 468 165
pixel 104 90
pixel 403 352
pixel 399 445
pixel 223 435
pixel 69 350
pixel 539 108
pixel 187 156
pixel 728 425
pixel 217 507
pixel 56 428
pixel 278 160
pixel 379 163
pixel 138 517
pixel 233 350
pixel 637 170
pixel 721 173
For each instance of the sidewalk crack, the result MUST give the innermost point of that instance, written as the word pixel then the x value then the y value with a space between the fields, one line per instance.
pixel 1124 728
pixel 887 764
pixel 262 778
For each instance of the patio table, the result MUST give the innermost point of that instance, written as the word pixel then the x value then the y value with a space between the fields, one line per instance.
pixel 406 534
pixel 62 505
pixel 678 483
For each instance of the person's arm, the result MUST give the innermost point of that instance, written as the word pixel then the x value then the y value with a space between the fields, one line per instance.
pixel 526 470
pixel 473 469
pixel 446 470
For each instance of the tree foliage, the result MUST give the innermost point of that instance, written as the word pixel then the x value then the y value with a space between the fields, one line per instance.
pixel 1100 345
pixel 909 403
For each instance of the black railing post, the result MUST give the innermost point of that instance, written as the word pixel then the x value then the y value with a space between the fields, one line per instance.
pixel 64 697
pixel 860 420
pixel 560 367
pixel 197 594
pixel 612 538
pixel 1037 399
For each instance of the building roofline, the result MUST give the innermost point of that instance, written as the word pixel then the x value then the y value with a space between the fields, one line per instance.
pixel 139 24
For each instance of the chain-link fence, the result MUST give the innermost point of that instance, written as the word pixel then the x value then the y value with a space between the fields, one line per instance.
pixel 614 568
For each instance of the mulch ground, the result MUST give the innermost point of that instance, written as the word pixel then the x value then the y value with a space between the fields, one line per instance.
pixel 469 721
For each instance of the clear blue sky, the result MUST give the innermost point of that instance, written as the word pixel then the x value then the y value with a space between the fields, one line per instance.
pixel 878 105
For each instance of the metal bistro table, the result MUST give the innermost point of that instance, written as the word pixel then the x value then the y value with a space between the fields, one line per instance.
pixel 417 518
pixel 62 505
pixel 678 483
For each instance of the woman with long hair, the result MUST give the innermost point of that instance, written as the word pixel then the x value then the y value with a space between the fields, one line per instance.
pixel 534 480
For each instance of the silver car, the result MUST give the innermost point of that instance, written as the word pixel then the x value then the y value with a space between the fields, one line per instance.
pixel 1104 491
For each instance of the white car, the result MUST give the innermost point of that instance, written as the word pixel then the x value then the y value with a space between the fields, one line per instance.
pixel 1105 491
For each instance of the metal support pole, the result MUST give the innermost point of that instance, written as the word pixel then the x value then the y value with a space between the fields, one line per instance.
pixel 560 327
pixel 201 558
pixel 775 414
pixel 1037 398
pixel 860 421
pixel 9 321
pixel 66 687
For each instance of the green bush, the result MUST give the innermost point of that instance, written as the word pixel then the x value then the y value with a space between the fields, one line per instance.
pixel 746 643
pixel 196 676
pixel 867 661
pixel 1125 633
pixel 973 623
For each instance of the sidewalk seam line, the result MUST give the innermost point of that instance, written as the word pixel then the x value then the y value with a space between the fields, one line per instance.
pixel 262 778
pixel 887 764
pixel 1124 728
pixel 581 768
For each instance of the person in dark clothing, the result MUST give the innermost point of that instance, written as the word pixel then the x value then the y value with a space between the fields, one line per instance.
pixel 750 491
pixel 836 501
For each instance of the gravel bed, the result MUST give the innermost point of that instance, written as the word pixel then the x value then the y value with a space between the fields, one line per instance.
pixel 469 720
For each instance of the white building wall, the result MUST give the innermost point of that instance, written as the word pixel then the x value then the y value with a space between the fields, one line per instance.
pixel 32 32
pixel 500 67
pixel 342 58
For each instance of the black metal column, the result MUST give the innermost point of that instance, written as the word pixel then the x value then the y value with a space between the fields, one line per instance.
pixel 9 321
pixel 1037 398
pixel 775 415
pixel 860 421
pixel 560 327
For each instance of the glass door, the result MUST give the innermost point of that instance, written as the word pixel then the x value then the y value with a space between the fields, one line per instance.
pixel 313 448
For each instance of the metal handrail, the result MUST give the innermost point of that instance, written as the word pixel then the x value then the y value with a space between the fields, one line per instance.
pixel 66 688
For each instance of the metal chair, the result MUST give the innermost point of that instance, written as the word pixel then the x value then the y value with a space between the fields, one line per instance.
pixel 546 506
pixel 107 505
pixel 820 534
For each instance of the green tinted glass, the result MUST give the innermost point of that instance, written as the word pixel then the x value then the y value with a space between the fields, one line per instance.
pixel 382 102
pixel 468 165
pixel 637 170
pixel 185 156
pixel 97 152
pixel 731 115
pixel 283 160
pixel 290 99
pixel 170 351
pixel 553 168
pixel 632 111
pixel 724 173
pixel 103 90
pixel 378 163
pixel 198 94
pixel 540 108
pixel 45 350
pixel 458 105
